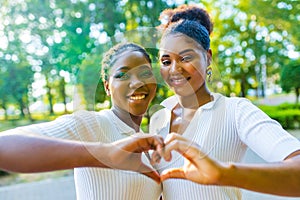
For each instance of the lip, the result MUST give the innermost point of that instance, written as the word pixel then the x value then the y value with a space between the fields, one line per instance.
pixel 178 81
pixel 137 96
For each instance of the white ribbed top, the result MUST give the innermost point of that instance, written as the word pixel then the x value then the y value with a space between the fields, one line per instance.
pixel 223 128
pixel 99 183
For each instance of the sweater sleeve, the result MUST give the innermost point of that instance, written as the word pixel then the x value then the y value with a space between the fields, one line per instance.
pixel 81 125
pixel 262 134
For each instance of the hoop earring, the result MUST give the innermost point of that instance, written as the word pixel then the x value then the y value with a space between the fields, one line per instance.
pixel 209 73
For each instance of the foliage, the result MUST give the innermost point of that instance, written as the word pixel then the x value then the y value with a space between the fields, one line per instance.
pixel 89 78
pixel 15 71
pixel 63 42
pixel 250 45
pixel 288 115
pixel 290 78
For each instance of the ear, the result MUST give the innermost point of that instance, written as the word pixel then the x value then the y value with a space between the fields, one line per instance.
pixel 209 57
pixel 106 87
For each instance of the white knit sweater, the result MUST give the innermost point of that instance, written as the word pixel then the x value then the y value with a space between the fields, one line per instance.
pixel 100 183
pixel 224 128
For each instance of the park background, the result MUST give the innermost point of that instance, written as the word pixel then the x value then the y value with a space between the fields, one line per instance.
pixel 50 55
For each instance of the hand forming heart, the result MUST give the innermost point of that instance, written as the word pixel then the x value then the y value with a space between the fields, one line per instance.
pixel 198 167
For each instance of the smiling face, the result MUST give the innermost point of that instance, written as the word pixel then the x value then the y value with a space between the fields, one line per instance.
pixel 131 83
pixel 183 64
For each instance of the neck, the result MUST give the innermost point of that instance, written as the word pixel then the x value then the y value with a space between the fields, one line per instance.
pixel 131 120
pixel 194 101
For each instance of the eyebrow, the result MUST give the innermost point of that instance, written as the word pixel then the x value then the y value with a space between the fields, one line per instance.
pixel 180 53
pixel 126 68
pixel 122 68
pixel 185 51
pixel 145 67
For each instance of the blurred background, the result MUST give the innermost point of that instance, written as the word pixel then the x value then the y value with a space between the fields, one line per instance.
pixel 50 55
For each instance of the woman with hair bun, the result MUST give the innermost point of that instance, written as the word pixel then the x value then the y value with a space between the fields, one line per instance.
pixel 209 132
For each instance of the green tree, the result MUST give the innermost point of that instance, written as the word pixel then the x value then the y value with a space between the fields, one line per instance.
pixel 290 78
pixel 16 69
pixel 4 92
pixel 90 80
pixel 249 44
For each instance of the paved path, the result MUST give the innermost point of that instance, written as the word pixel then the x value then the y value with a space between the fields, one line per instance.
pixel 50 189
pixel 278 99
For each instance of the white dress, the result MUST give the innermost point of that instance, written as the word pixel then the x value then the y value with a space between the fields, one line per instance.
pixel 224 128
pixel 100 183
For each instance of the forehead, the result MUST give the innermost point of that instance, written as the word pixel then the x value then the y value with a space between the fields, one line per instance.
pixel 176 43
pixel 130 59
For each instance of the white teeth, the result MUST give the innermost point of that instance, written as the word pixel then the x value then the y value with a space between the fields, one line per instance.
pixel 178 80
pixel 137 97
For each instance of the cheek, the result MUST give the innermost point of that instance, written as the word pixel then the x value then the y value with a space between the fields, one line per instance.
pixel 151 80
pixel 153 88
pixel 197 70
pixel 164 72
pixel 118 88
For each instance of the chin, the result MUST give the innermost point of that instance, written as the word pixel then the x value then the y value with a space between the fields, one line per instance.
pixel 184 93
pixel 138 112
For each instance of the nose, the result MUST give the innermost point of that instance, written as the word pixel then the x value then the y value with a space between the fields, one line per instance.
pixel 135 82
pixel 175 68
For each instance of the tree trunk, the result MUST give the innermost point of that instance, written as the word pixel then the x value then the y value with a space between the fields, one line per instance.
pixel 5 111
pixel 50 98
pixel 28 110
pixel 297 91
pixel 63 92
pixel 243 86
pixel 22 107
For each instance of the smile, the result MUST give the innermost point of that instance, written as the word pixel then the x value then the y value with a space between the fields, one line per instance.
pixel 179 80
pixel 137 97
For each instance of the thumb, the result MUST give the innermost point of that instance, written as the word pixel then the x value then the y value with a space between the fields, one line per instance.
pixel 172 173
pixel 150 172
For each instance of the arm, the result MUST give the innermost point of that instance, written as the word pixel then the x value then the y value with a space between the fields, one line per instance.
pixel 33 153
pixel 281 178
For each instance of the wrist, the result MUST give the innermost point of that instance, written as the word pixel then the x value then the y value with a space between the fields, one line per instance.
pixel 93 154
pixel 228 171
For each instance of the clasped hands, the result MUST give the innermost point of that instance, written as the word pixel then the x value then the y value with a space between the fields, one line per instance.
pixel 198 167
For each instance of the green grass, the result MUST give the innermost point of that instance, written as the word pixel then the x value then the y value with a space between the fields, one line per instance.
pixel 9 124
pixel 14 121
pixel 15 178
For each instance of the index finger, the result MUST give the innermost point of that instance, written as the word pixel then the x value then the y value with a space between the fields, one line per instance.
pixel 172 173
pixel 145 142
pixel 188 149
pixel 174 136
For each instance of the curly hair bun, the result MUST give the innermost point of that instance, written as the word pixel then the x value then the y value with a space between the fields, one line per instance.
pixel 187 12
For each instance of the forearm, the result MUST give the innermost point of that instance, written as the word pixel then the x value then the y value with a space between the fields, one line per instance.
pixel 26 153
pixel 278 178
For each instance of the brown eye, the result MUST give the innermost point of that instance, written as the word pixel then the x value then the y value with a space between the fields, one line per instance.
pixel 121 76
pixel 146 73
pixel 186 58
pixel 166 62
